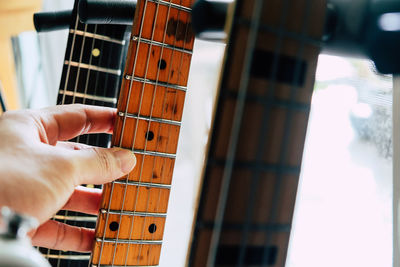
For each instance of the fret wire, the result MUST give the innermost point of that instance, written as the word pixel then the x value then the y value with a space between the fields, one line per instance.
pixel 68 257
pixel 165 3
pixel 76 218
pixel 129 241
pixel 151 185
pixel 263 100
pixel 256 165
pixel 155 83
pixel 92 67
pixel 90 97
pixel 284 32
pixel 150 119
pixel 159 44
pixel 102 265
pixel 134 213
pixel 98 36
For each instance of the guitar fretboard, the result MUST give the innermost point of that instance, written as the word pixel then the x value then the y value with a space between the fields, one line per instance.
pixel 94 60
pixel 251 176
pixel 133 211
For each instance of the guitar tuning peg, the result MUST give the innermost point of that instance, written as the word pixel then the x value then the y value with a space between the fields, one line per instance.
pixel 51 21
pixel 209 18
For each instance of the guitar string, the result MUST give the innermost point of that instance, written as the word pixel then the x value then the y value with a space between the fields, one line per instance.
pixel 114 255
pixel 65 85
pixel 87 141
pixel 106 30
pixel 288 124
pixel 66 212
pixel 283 18
pixel 157 139
pixel 87 78
pixel 84 100
pixel 136 129
pixel 172 118
pixel 157 145
pixel 69 60
pixel 234 136
pixel 123 127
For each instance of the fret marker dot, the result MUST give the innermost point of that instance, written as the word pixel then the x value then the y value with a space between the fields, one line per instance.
pixel 114 226
pixel 162 64
pixel 96 52
pixel 152 228
pixel 149 135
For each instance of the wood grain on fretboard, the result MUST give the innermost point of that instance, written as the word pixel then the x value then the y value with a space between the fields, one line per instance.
pixel 271 64
pixel 132 218
pixel 92 74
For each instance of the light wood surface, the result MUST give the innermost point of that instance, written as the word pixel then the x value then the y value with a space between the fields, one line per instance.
pixel 16 16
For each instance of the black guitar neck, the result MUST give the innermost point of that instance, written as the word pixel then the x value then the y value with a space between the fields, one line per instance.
pixel 92 74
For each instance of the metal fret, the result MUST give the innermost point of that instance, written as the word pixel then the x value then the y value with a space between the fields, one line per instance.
pixel 127 241
pixel 76 218
pixel 97 36
pixel 150 42
pixel 92 67
pixel 151 185
pixel 156 83
pixel 68 257
pixel 97 265
pixel 151 119
pixel 165 3
pixel 112 100
pixel 154 153
pixel 134 213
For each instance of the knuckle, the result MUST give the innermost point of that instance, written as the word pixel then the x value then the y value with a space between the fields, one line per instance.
pixel 104 161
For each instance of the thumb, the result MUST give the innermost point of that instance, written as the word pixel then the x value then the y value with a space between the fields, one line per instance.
pixel 102 165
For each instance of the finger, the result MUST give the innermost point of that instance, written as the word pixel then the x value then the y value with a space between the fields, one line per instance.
pixel 65 122
pixel 85 200
pixel 101 165
pixel 60 236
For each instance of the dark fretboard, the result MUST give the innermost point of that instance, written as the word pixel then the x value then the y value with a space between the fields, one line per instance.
pixel 92 67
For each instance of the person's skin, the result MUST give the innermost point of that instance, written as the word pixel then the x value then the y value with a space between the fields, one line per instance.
pixel 40 172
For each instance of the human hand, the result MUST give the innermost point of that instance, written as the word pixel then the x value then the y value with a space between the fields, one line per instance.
pixel 40 175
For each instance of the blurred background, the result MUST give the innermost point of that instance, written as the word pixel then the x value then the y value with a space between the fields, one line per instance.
pixel 343 214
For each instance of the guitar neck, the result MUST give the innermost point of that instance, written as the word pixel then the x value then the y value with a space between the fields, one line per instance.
pixel 130 228
pixel 92 75
pixel 92 69
pixel 252 173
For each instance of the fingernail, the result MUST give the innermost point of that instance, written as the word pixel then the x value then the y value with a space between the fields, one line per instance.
pixel 126 158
